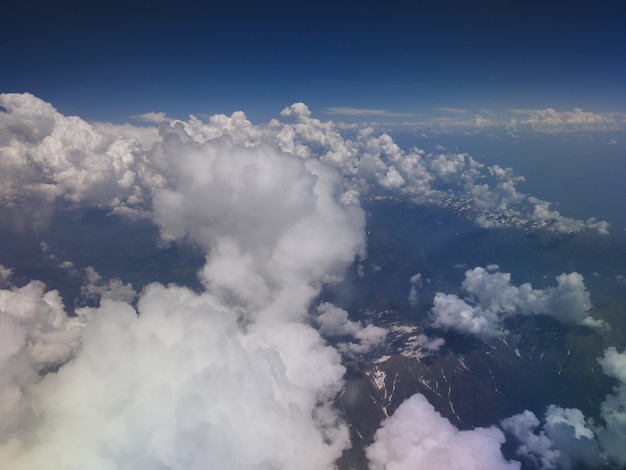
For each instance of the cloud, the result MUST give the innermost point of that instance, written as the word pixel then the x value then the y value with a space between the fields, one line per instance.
pixel 567 428
pixel 38 320
pixel 36 336
pixel 178 384
pixel 5 275
pixel 375 163
pixel 334 321
pixel 275 226
pixel 453 110
pixel 613 434
pixel 416 282
pixel 535 447
pixel 50 157
pixel 563 442
pixel 542 214
pixel 551 121
pixel 416 436
pixel 481 122
pixel 566 439
pixel 514 122
pixel 115 289
pixel 362 112
pixel 421 345
pixel 492 297
pixel 152 117
pixel 452 313
pixel 231 377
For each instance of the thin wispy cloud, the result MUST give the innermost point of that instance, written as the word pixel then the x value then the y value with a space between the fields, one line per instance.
pixel 363 112
pixel 551 121
pixel 454 110
pixel 518 121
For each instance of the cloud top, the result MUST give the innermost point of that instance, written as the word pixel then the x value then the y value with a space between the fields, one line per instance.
pixel 416 436
pixel 232 377
pixel 51 157
pixel 492 297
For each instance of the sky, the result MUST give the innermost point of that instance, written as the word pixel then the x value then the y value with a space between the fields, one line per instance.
pixel 109 61
pixel 131 109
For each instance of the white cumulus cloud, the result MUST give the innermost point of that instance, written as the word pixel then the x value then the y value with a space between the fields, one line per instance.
pixel 492 297
pixel 416 436
pixel 179 385
pixel 36 336
pixel 334 321
pixel 55 157
pixel 564 441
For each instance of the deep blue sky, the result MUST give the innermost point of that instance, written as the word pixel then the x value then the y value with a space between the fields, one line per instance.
pixel 109 60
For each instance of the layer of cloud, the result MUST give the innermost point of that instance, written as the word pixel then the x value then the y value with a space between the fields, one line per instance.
pixel 613 409
pixel 375 163
pixel 492 297
pixel 156 118
pixel 453 110
pixel 416 436
pixel 516 122
pixel 47 156
pixel 362 112
pixel 234 376
pixel 551 121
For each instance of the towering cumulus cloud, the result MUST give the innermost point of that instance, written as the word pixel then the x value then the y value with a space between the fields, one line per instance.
pixel 229 378
pixel 274 226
